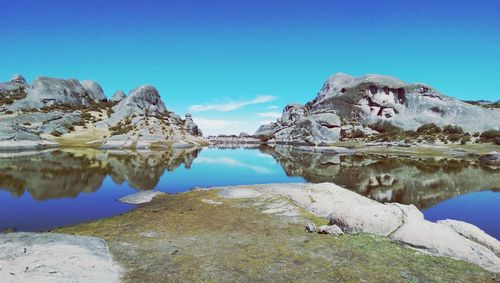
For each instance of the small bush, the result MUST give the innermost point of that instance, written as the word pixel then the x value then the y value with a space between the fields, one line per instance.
pixel 429 128
pixel 8 112
pixel 27 123
pixel 490 136
pixel 449 129
pixel 56 133
pixel 454 137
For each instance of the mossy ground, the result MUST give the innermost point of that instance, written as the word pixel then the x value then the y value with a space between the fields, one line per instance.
pixel 235 241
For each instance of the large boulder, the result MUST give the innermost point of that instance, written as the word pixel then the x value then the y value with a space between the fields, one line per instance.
pixel 18 78
pixel 191 126
pixel 94 90
pixel 373 98
pixel 118 96
pixel 50 257
pixel 50 91
pixel 405 224
pixel 144 100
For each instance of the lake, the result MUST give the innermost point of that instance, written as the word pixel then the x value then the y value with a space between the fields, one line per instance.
pixel 41 190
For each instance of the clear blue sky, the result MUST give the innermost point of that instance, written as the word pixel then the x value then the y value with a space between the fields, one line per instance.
pixel 251 57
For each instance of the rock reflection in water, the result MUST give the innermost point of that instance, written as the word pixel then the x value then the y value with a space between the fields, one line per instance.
pixel 411 180
pixel 67 172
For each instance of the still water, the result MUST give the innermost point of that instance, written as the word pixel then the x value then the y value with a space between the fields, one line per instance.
pixel 47 189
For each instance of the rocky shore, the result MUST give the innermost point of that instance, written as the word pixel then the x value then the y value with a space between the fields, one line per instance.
pixel 257 231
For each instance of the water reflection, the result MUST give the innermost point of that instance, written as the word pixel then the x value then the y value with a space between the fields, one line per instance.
pixel 409 180
pixel 45 189
pixel 66 173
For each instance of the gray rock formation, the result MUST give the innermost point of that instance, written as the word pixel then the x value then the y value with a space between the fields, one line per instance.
pixel 144 100
pixel 50 91
pixel 360 102
pixel 18 78
pixel 405 224
pixel 94 90
pixel 191 126
pixel 118 96
pixel 50 257
pixel 51 108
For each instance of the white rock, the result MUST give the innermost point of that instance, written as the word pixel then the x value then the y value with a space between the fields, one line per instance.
pixel 330 229
pixel 140 197
pixel 50 257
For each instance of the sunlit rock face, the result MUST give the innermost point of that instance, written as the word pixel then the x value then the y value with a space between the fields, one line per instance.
pixel 67 173
pixel 45 91
pixel 51 107
pixel 419 181
pixel 362 101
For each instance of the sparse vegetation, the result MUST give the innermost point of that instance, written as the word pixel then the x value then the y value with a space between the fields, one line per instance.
pixel 491 136
pixel 56 133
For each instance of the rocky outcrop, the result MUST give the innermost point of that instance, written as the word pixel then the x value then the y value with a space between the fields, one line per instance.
pixel 405 224
pixel 118 96
pixel 351 103
pixel 191 126
pixel 46 91
pixel 50 257
pixel 53 109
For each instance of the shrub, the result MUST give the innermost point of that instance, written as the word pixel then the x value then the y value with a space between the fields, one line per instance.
pixel 69 127
pixel 27 123
pixel 429 128
pixel 449 129
pixel 8 112
pixel 465 139
pixel 385 127
pixel 357 134
pixel 490 136
pixel 56 133
pixel 454 137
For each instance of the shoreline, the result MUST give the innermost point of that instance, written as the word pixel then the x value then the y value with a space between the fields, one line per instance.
pixel 254 209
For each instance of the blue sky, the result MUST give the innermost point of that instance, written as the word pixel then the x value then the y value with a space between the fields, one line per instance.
pixel 235 64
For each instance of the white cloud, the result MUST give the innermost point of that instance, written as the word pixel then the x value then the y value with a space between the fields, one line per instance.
pixel 270 114
pixel 273 107
pixel 231 106
pixel 231 162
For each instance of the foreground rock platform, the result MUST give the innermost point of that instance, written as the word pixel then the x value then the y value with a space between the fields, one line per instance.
pixel 50 257
pixel 404 224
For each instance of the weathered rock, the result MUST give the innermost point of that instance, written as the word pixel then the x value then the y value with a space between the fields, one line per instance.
pixel 144 100
pixel 140 197
pixel 330 230
pixel 94 90
pixel 49 91
pixel 191 127
pixel 49 257
pixel 18 78
pixel 354 213
pixel 369 99
pixel 439 239
pixel 311 228
pixel 473 233
pixel 118 96
pixel 55 107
